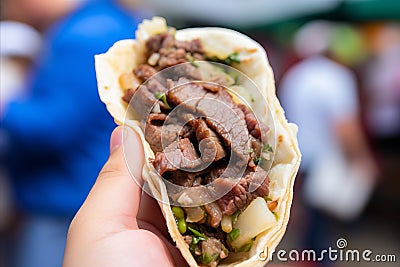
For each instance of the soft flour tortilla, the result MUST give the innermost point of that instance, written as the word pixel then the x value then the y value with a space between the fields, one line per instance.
pixel 125 55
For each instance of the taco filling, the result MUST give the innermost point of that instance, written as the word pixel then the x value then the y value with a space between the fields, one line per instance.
pixel 202 135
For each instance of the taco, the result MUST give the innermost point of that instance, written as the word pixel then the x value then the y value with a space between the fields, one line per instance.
pixel 221 158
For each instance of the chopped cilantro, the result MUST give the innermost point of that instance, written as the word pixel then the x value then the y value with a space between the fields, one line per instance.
pixel 161 96
pixel 246 247
pixel 267 198
pixel 235 216
pixel 234 234
pixel 267 148
pixel 207 258
pixel 276 215
pixel 192 60
pixel 257 161
pixel 197 233
pixel 232 58
pixel 196 240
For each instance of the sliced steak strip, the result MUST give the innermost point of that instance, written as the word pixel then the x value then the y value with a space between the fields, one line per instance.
pixel 153 44
pixel 222 116
pixel 181 154
pixel 144 97
pixel 240 196
pixel 215 213
pixel 155 86
pixel 209 145
pixel 182 178
pixel 173 52
pixel 216 172
pixel 252 123
pixel 144 72
pixel 194 46
pixel 128 95
pixel 171 57
pixel 143 101
pixel 188 92
pixel 155 135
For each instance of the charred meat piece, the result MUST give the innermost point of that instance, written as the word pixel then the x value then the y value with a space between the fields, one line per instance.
pixel 154 43
pixel 226 120
pixel 215 213
pixel 181 154
pixel 241 195
pixel 143 100
pixel 144 72
pixel 209 145
pixel 173 52
pixel 157 134
pixel 252 124
pixel 182 178
pixel 128 95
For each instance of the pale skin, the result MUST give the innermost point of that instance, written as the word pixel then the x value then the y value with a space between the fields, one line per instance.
pixel 110 227
pixel 117 225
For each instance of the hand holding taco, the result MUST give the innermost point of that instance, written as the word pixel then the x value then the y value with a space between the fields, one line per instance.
pixel 220 156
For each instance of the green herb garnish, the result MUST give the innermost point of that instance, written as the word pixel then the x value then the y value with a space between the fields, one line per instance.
pixel 267 198
pixel 267 148
pixel 246 247
pixel 234 234
pixel 251 150
pixel 235 77
pixel 257 160
pixel 197 233
pixel 232 58
pixel 192 60
pixel 207 258
pixel 196 240
pixel 252 100
pixel 276 215
pixel 162 96
pixel 235 216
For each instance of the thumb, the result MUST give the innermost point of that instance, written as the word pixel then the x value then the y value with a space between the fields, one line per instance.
pixel 116 194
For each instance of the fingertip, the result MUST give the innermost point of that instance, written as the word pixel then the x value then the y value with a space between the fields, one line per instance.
pixel 116 138
pixel 133 153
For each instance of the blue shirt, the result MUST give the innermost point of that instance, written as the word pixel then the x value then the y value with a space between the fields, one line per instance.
pixel 60 134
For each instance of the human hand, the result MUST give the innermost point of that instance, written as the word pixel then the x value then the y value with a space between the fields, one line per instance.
pixel 116 225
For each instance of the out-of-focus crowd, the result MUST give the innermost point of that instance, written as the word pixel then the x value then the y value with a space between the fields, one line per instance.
pixel 340 82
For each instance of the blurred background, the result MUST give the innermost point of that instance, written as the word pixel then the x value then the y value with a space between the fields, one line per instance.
pixel 337 72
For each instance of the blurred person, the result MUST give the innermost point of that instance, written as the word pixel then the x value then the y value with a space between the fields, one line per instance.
pixel 319 94
pixel 382 78
pixel 58 133
pixel 16 57
pixel 15 60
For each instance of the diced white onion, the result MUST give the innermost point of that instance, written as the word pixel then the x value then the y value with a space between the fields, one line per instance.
pixel 226 223
pixel 153 59
pixel 255 219
pixel 156 108
pixel 194 214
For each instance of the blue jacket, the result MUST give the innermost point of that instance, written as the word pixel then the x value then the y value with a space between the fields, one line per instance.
pixel 60 134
